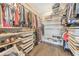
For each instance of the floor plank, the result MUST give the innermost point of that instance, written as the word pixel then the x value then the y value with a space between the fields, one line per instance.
pixel 48 50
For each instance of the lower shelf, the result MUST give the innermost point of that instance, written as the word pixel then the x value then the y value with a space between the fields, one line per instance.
pixel 28 49
pixel 3 45
pixel 75 53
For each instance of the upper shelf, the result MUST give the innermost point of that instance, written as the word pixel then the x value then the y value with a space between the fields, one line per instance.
pixel 8 34
pixel 13 34
pixel 3 28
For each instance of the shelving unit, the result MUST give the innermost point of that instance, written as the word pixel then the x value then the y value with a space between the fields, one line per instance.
pixel 27 42
pixel 23 31
pixel 25 36
pixel 73 42
pixel 53 32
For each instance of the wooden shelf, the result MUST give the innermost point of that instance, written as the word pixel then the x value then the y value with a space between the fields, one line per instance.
pixel 27 29
pixel 3 45
pixel 14 28
pixel 3 28
pixel 76 27
pixel 28 49
pixel 24 46
pixel 72 50
pixel 74 43
pixel 12 34
pixel 75 40
pixel 8 34
pixel 26 40
pixel 10 27
pixel 72 39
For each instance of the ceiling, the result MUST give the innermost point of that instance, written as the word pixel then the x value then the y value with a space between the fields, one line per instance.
pixel 42 8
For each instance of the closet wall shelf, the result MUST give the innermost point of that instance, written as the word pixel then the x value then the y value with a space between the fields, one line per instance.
pixel 75 48
pixel 28 49
pixel 8 34
pixel 23 46
pixel 75 40
pixel 76 45
pixel 3 45
pixel 75 53
pixel 27 29
pixel 13 34
pixel 70 38
pixel 73 27
pixel 26 32
pixel 16 27
pixel 10 28
pixel 26 40
pixel 70 33
pixel 73 44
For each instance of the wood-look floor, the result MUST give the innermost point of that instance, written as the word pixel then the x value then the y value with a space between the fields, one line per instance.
pixel 44 49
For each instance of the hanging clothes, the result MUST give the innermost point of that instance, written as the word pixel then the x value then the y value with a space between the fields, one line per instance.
pixel 22 16
pixel 30 20
pixel 36 21
pixel 5 15
pixel 11 23
pixel 12 14
pixel 26 18
pixel 0 15
pixel 17 16
pixel 33 21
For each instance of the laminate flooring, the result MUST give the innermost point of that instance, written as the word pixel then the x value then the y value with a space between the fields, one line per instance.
pixel 44 49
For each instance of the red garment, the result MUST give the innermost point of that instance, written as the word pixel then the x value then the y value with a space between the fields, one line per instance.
pixel 17 17
pixel 66 36
pixel 3 14
pixel 4 24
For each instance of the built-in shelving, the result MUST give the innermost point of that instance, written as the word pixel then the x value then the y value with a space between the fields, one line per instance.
pixel 73 42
